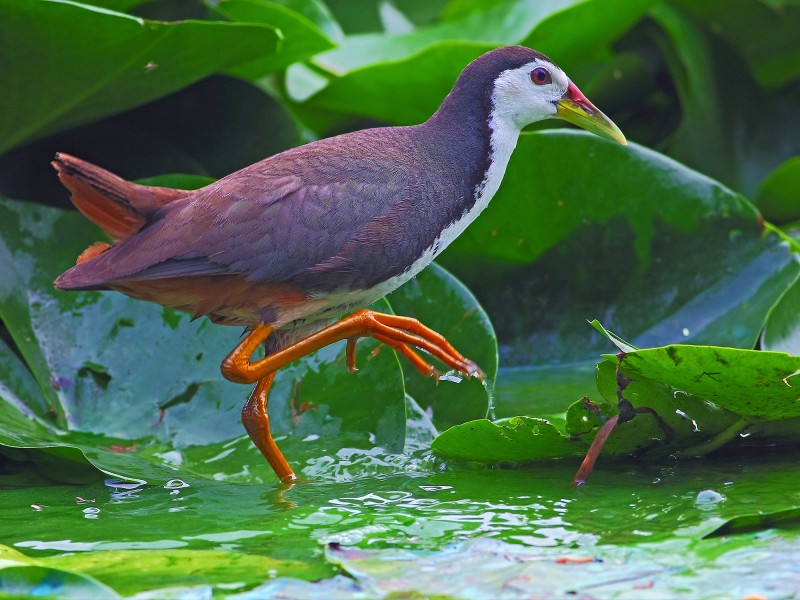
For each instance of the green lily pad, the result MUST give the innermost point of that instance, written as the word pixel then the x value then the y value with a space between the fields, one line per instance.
pixel 695 426
pixel 166 568
pixel 442 302
pixel 107 574
pixel 94 75
pixel 23 577
pixel 754 384
pixel 33 582
pixel 701 398
pixel 517 440
pixel 98 370
pixel 662 252
pixel 98 361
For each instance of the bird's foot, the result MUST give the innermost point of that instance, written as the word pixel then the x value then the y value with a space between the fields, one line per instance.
pixel 401 333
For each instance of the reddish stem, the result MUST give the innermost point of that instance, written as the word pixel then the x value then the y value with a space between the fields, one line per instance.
pixel 587 466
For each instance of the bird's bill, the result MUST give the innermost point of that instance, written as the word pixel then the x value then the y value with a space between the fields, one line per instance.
pixel 575 108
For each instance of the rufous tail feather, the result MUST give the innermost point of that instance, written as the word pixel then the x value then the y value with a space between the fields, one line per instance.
pixel 118 207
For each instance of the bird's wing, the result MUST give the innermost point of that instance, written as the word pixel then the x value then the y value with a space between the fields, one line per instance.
pixel 269 223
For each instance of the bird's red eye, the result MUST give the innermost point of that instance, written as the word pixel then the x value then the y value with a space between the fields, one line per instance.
pixel 541 76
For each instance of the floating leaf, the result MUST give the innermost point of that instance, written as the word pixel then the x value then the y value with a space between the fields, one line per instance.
pixel 517 439
pixel 754 384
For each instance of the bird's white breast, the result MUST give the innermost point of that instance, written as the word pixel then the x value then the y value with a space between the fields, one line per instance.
pixel 503 140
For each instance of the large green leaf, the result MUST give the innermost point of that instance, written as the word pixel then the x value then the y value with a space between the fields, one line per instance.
pixel 402 79
pixel 778 195
pixel 703 398
pixel 514 440
pixel 64 63
pixel 85 575
pixel 763 34
pixel 756 385
pixel 88 353
pixel 730 128
pixel 300 37
pixel 782 329
pixel 440 301
pixel 582 228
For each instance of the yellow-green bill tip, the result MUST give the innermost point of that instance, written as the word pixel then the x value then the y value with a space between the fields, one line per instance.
pixel 575 108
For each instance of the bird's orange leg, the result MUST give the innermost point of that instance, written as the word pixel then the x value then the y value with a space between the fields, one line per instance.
pixel 256 422
pixel 238 367
pixel 398 332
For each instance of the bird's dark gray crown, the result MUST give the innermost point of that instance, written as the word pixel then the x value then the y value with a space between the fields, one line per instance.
pixel 471 96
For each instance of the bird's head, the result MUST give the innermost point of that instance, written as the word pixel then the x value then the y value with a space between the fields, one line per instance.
pixel 524 86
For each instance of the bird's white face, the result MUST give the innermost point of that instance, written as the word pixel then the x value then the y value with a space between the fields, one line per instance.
pixel 540 90
pixel 529 93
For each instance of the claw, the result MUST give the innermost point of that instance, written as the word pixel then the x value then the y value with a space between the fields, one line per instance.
pixel 350 353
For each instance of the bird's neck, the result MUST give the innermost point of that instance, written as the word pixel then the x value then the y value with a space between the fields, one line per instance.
pixel 479 139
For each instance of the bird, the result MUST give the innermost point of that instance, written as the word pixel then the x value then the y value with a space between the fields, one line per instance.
pixel 294 247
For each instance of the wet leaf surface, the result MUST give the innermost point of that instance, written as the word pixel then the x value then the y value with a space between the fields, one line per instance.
pixel 756 385
pixel 100 387
pixel 661 252
pixel 98 360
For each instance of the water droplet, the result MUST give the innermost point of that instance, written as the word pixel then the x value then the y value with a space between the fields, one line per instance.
pixel 707 499
pixel 175 484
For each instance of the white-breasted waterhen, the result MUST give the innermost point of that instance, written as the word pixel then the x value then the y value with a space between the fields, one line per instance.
pixel 288 245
